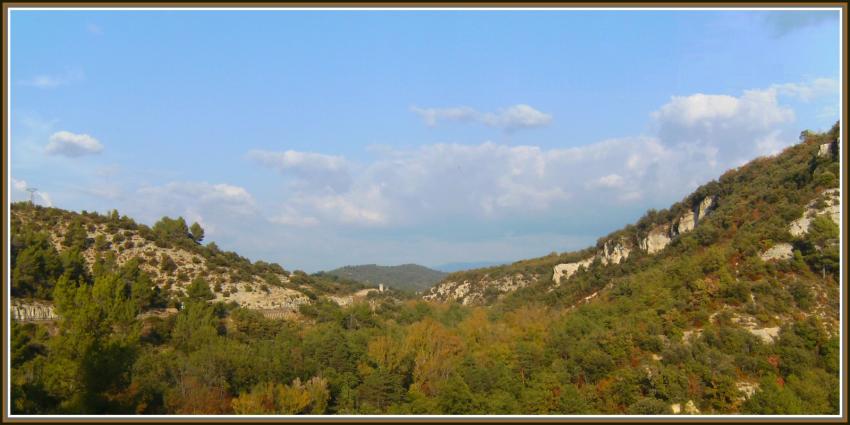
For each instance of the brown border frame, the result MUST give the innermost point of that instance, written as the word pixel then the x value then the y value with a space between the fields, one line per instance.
pixel 366 4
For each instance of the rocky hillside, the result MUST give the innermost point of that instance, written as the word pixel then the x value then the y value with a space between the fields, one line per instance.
pixel 659 229
pixel 46 243
pixel 410 277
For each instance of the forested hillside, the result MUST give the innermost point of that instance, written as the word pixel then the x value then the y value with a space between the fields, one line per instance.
pixel 738 314
pixel 410 277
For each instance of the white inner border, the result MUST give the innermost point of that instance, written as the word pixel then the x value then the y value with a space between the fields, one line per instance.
pixel 8 295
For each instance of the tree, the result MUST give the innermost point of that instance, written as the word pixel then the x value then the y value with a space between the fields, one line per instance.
pixel 89 361
pixel 199 290
pixel 35 267
pixel 277 399
pixel 197 232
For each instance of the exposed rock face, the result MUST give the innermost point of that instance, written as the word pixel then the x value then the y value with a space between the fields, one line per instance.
pixel 768 335
pixel 747 389
pixel 827 149
pixel 686 223
pixel 613 253
pixel 564 271
pixel 832 198
pixel 656 240
pixel 780 251
pixel 704 208
pixel 470 292
pixel 690 408
pixel 32 311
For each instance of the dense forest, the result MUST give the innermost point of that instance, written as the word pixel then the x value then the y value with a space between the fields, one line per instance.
pixel 662 337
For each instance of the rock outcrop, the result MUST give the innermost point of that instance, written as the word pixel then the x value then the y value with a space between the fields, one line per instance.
pixel 657 239
pixel 686 223
pixel 690 408
pixel 747 389
pixel 828 149
pixel 564 271
pixel 614 252
pixel 832 200
pixel 780 251
pixel 470 292
pixel 32 311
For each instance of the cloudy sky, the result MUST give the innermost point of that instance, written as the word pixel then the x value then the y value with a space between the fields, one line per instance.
pixel 323 138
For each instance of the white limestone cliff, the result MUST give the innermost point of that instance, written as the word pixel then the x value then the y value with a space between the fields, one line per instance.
pixel 657 239
pixel 832 198
pixel 564 271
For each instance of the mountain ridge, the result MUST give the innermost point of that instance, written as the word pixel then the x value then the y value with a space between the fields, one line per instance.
pixel 409 276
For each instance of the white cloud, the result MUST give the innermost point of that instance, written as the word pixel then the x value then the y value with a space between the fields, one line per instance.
pixel 511 118
pixel 315 170
pixel 200 196
pixel 489 181
pixel 289 216
pixel 818 87
pixel 611 181
pixel 69 144
pixel 724 130
pixel 432 116
pixel 48 81
pixel 19 185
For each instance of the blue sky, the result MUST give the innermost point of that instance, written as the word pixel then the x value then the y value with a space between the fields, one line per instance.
pixel 323 138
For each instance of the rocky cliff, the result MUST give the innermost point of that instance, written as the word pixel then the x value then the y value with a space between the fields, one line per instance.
pixel 613 252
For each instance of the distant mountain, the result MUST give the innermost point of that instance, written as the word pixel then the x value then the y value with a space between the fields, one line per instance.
pixel 412 277
pixel 456 267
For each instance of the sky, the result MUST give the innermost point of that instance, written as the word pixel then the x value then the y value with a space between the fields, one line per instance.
pixel 318 139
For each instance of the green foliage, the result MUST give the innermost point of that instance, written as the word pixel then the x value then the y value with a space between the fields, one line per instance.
pixel 197 232
pixel 199 290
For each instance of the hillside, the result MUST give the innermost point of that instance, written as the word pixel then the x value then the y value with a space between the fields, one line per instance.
pixel 725 303
pixel 410 277
pixel 712 215
pixel 50 243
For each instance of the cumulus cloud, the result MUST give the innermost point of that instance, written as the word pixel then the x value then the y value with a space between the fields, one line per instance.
pixel 68 144
pixel 724 130
pixel 509 119
pixel 306 168
pixel 488 181
pixel 202 196
pixel 49 81
pixel 694 139
pixel 20 188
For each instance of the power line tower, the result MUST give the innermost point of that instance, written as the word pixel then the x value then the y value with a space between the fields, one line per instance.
pixel 32 191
